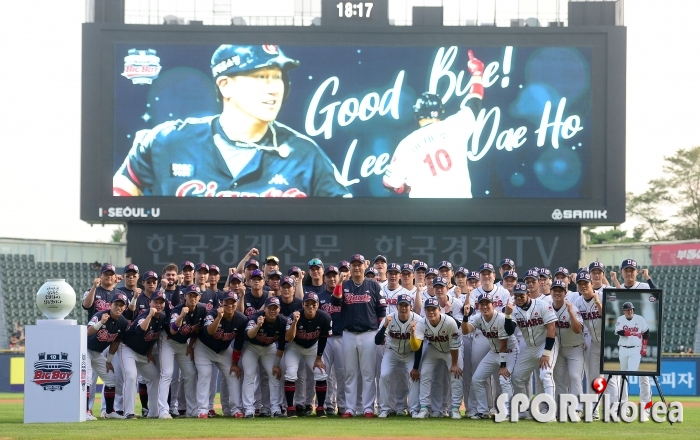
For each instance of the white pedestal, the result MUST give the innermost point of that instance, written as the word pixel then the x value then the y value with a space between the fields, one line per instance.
pixel 55 372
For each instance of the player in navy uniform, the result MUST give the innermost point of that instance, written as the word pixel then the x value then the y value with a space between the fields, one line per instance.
pixel 288 302
pixel 130 289
pixel 242 152
pixel 106 329
pixel 135 353
pixel 362 308
pixel 209 298
pixel 214 276
pixel 97 299
pixel 306 338
pixel 316 274
pixel 254 299
pixel 221 327
pixel 333 354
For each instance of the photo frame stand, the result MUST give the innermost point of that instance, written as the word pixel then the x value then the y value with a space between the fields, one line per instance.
pixel 623 380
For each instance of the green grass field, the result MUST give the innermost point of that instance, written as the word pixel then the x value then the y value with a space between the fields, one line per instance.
pixel 11 426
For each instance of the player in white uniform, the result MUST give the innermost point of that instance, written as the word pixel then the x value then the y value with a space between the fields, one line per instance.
pixel 443 338
pixel 433 159
pixel 563 275
pixel 407 282
pixel 633 331
pixel 502 355
pixel 380 264
pixel 506 265
pixel 537 321
pixel 545 284
pixel 508 280
pixel 568 371
pixel 394 333
pixel 429 292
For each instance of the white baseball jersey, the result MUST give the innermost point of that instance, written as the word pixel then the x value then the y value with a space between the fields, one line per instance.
pixel 533 320
pixel 571 296
pixel 565 334
pixel 494 330
pixel 433 159
pixel 398 334
pixel 383 283
pixel 592 319
pixel 637 326
pixel 443 337
pixel 392 295
pixel 637 285
pixel 498 295
pixel 545 297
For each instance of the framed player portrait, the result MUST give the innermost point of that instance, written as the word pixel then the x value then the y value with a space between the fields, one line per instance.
pixel 631 335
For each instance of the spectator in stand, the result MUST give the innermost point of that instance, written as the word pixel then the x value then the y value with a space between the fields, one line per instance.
pixel 17 338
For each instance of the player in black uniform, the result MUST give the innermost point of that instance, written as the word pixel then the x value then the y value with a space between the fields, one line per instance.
pixel 106 329
pixel 130 289
pixel 243 152
pixel 135 352
pixel 333 354
pixel 222 326
pixel 316 274
pixel 209 298
pixel 288 302
pixel 274 278
pixel 254 299
pixel 214 276
pixel 306 337
pixel 97 299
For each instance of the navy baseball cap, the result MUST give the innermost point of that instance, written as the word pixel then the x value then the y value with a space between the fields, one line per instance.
pixel 596 265
pixel 149 274
pixel 407 268
pixel 484 297
pixel 158 295
pixel 294 269
pixel 229 295
pixel 252 262
pixel 311 296
pixel 440 281
pixel 583 269
pixel 544 272
pixel 231 59
pixel 486 266
pixel 275 273
pixel 520 288
pixel 120 297
pixel 583 276
pixel 380 257
pixel 193 288
pixel 531 274
pixel 507 262
pixel 562 270
pixel 628 306
pixel 431 302
pixel 473 275
pixel 344 265
pixel 330 269
pixel 463 270
pixel 403 299
pixel 315 262
pixel 359 258
pixel 446 264
pixel 510 274
pixel 288 280
pixel 432 271
pixel 536 269
pixel 371 270
pixel 420 266
pixel 214 268
pixel 629 263
pixel 131 268
pixel 272 301
pixel 201 266
pixel 393 267
pixel 256 274
pixel 186 264
pixel 560 284
pixel 107 267
pixel 234 277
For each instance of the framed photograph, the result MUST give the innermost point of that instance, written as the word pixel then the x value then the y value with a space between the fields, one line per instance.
pixel 632 332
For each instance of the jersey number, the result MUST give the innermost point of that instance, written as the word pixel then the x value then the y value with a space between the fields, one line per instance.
pixel 442 159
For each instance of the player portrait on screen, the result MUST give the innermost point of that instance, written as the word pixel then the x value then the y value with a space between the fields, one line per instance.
pixel 433 159
pixel 242 152
pixel 633 331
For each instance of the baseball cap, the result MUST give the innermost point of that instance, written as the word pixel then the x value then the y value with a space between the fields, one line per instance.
pixel 440 281
pixel 446 264
pixel 562 270
pixel 310 296
pixel 201 266
pixel 344 265
pixel 131 268
pixel 583 276
pixel 155 296
pixel 288 280
pixel 315 262
pixel 256 273
pixel 407 268
pixel 380 257
pixel 596 265
pixel 229 295
pixel 358 257
pixel 330 269
pixel 229 59
pixel 274 273
pixel 193 288
pixel 420 266
pixel 186 264
pixel 273 259
pixel 252 262
pixel 531 274
pixel 507 262
pixel 393 267
pixel 234 277
pixel 431 302
pixel 473 275
pixel 214 268
pixel 120 297
pixel 463 270
pixel 628 306
pixel 544 272
pixel 371 270
pixel 486 266
pixel 149 274
pixel 510 273
pixel 628 263
pixel 520 288
pixel 403 299
pixel 294 269
pixel 272 301
pixel 484 297
pixel 559 283
pixel 107 267
pixel 536 269
pixel 432 271
pixel 583 269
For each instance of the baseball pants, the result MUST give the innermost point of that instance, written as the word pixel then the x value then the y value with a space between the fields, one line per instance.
pixel 203 358
pixel 172 352
pixel 392 365
pixel 568 372
pixel 380 355
pixel 529 362
pixel 360 357
pixel 254 355
pixel 98 367
pixel 299 359
pixel 433 359
pixel 630 358
pixel 480 347
pixel 119 383
pixel 134 364
pixel 212 385
pixel 333 359
pixel 484 372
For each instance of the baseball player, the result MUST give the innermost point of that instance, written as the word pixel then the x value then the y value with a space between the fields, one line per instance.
pixel 187 273
pixel 395 332
pixel 502 354
pixel 419 271
pixel 568 371
pixel 473 279
pixel 371 274
pixel 562 274
pixel 255 296
pixel 261 157
pixel 429 292
pixel 445 270
pixel 433 159
pixel 264 345
pixel 537 322
pixel 209 298
pixel 442 334
pixel 316 275
pixel 333 354
pixel 545 284
pixel 221 327
pixel 214 277
pixel 598 280
pixel 97 299
pixel 105 330
pixel 273 282
pixel 407 282
pixel 508 280
pixel 362 307
pixel 130 289
pixel 633 331
pixel 380 264
pixel 135 353
pixel 306 337
pixel 506 265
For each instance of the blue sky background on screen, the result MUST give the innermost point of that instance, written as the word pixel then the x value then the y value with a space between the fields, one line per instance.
pixel 40 123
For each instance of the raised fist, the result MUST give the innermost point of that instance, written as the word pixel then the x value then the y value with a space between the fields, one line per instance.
pixel 509 307
pixel 253 252
pixel 105 317
pixel 413 326
pixel 96 282
pixel 467 308
pixel 261 320
pixel 119 278
pixel 387 320
pixel 420 287
pixel 457 291
pixel 137 291
pixel 220 312
pixel 231 270
pixel 153 311
pixel 295 316
pixel 613 275
pixel 164 284
pixel 645 274
pixel 185 310
pixel 475 66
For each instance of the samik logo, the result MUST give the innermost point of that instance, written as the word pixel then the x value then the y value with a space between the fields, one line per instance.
pixel 141 66
pixel 569 214
pixel 52 372
pixel 128 212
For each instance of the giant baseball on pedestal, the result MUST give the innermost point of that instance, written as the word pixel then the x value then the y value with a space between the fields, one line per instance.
pixel 55 299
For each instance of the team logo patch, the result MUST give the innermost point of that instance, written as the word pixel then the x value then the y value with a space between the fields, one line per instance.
pixel 52 372
pixel 271 49
pixel 141 66
pixel 612 297
pixel 652 299
pixel 181 170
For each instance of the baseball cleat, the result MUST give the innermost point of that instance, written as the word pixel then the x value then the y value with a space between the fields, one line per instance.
pixel 114 415
pixel 182 412
pixel 89 416
pixel 144 413
pixel 422 414
pixel 277 415
pixel 238 415
pixel 203 416
pixel 480 416
pixel 174 414
pixel 525 415
pixel 347 415
pixel 308 410
pixel 249 415
pixel 103 414
pixel 330 411
pixel 130 416
pixel 165 416
pixel 383 414
pixel 291 414
pixel 455 413
pixel 369 414
pixel 213 413
pixel 321 412
pixel 401 413
pixel 493 412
